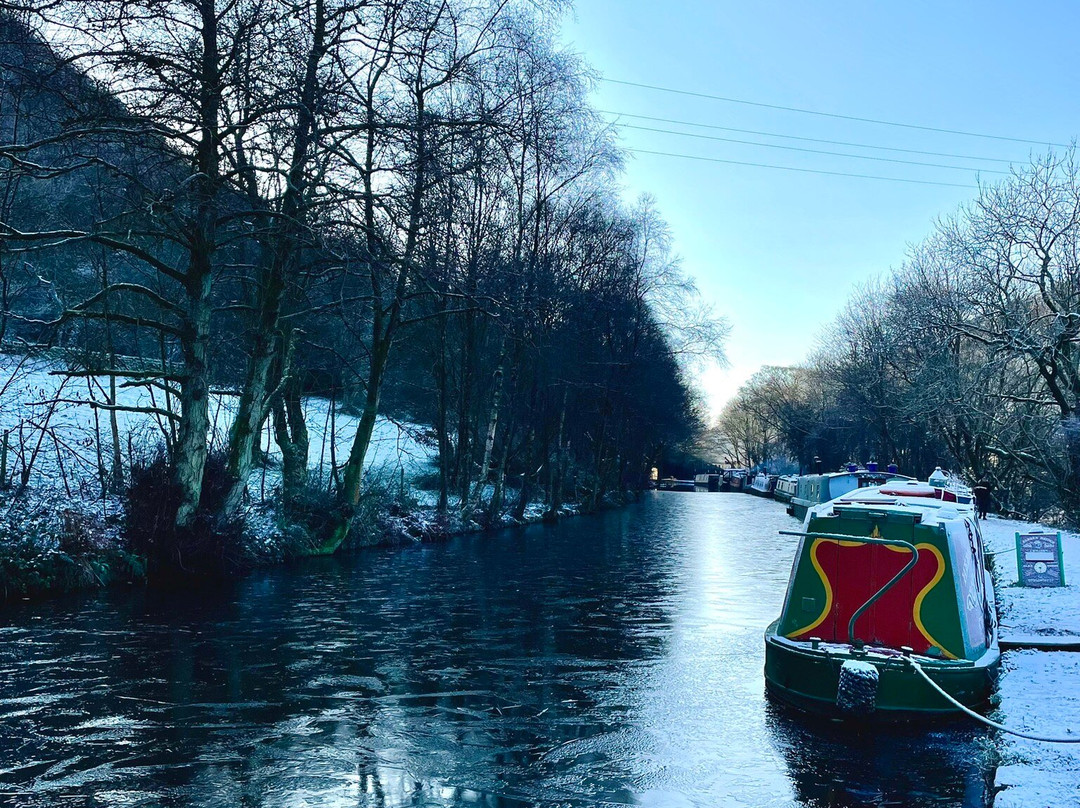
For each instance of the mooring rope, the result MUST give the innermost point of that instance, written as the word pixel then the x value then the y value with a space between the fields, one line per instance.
pixel 1028 735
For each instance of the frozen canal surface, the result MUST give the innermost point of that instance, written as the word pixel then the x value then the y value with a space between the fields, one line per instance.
pixel 606 661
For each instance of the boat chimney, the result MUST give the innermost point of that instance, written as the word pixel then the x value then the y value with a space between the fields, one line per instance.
pixel 817 465
pixel 938 478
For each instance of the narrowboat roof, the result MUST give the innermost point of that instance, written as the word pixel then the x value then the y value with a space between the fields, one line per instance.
pixel 862 474
pixel 900 497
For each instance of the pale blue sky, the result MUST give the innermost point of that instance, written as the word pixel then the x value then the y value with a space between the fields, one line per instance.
pixel 778 251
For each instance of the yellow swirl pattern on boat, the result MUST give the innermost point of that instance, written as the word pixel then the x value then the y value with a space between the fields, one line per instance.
pixel 916 612
pixel 828 591
pixel 917 607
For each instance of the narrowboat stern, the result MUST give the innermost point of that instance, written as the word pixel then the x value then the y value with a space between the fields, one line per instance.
pixel 886 580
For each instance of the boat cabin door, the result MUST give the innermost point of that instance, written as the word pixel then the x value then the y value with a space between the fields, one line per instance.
pixel 863 571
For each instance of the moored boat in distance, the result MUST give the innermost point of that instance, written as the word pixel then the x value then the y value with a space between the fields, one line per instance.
pixel 815 489
pixel 672 484
pixel 736 479
pixel 710 481
pixel 762 485
pixel 889 587
pixel 786 486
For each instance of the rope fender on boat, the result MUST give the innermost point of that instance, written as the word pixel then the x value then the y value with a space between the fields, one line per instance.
pixel 856 689
pixel 1031 736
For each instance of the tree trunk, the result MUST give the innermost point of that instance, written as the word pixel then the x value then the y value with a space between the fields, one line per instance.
pixel 498 492
pixel 525 494
pixel 354 466
pixel 252 408
pixel 558 467
pixel 442 418
pixel 489 442
pixel 463 457
pixel 191 447
pixel 284 237
pixel 385 321
pixel 291 436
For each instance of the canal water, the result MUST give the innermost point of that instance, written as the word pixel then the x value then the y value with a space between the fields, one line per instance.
pixel 610 660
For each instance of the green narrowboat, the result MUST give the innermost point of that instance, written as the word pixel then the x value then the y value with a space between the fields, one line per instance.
pixel 887 581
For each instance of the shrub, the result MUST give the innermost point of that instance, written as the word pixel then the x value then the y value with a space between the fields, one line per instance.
pixel 207 546
pixel 47 550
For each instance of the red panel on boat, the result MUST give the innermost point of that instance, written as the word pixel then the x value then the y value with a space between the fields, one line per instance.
pixel 857 572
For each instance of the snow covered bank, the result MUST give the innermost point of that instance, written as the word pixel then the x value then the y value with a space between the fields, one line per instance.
pixel 56 423
pixel 57 507
pixel 1039 690
pixel 58 510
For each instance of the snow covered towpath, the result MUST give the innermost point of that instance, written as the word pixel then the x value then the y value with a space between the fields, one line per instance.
pixel 1040 690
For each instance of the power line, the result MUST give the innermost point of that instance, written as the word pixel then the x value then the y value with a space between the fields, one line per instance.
pixel 801 170
pixel 810 151
pixel 805 139
pixel 831 114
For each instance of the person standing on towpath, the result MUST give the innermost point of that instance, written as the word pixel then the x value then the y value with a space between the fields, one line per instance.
pixel 982 498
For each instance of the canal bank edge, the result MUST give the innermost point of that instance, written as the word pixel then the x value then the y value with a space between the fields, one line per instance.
pixel 1030 694
pixel 89 555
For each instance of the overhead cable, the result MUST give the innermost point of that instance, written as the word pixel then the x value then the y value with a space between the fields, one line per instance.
pixel 746 102
pixel 811 151
pixel 805 139
pixel 800 170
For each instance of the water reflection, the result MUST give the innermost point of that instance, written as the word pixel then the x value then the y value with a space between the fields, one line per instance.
pixel 834 766
pixel 614 660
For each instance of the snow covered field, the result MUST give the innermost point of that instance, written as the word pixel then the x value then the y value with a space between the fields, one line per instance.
pixel 59 441
pixel 1039 690
pixel 54 435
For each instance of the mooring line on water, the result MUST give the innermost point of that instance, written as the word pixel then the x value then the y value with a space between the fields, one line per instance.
pixel 1031 736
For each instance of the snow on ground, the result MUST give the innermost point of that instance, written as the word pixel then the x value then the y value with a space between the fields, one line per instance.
pixel 1031 610
pixel 54 432
pixel 1039 693
pixel 63 443
pixel 1039 690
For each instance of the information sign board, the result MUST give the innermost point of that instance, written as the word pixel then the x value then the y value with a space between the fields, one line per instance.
pixel 1038 559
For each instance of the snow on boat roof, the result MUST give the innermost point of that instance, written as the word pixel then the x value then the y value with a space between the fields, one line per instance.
pixel 899 497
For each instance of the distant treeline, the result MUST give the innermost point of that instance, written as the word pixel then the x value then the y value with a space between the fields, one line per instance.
pixel 966 356
pixel 396 205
